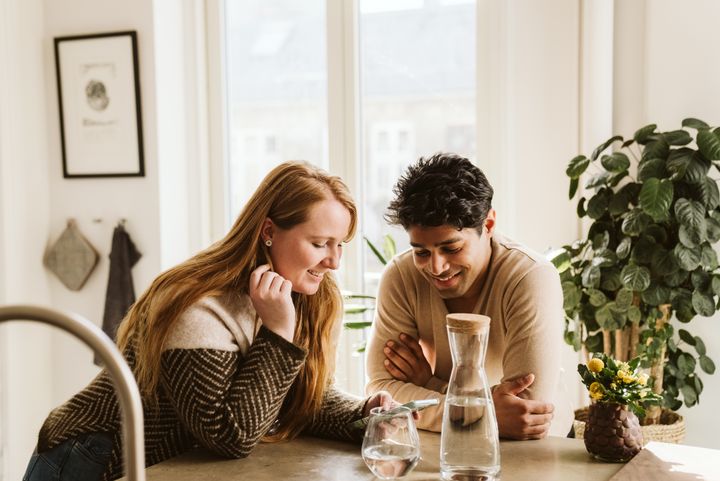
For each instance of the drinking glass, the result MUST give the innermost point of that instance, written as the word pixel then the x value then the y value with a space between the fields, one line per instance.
pixel 391 447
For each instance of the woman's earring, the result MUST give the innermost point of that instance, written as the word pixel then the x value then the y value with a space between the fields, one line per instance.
pixel 268 242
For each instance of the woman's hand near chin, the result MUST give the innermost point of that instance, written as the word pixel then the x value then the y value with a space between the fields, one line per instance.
pixel 270 294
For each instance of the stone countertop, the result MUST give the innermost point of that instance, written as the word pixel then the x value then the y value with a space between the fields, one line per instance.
pixel 306 458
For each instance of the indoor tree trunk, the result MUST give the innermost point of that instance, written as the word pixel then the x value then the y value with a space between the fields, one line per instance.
pixel 656 370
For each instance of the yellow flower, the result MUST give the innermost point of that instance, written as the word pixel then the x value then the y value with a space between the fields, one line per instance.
pixel 642 379
pixel 643 393
pixel 596 391
pixel 625 377
pixel 623 366
pixel 595 365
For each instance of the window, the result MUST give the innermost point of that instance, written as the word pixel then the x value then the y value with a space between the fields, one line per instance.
pixel 413 85
pixel 276 89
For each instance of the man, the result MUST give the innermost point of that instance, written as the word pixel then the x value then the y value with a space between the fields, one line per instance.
pixel 458 263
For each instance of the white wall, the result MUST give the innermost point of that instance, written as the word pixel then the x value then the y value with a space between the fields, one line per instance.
pixel 108 200
pixel 24 216
pixel 528 128
pixel 681 79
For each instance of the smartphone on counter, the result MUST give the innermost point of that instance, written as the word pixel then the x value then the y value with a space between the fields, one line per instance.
pixel 414 406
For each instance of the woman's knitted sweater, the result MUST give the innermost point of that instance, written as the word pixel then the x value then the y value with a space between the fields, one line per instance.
pixel 223 382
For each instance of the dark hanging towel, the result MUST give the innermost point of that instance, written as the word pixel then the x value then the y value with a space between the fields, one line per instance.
pixel 120 290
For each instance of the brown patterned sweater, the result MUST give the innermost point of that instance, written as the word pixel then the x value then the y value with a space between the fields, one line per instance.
pixel 223 384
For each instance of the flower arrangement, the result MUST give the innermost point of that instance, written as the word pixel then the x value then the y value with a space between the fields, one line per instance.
pixel 611 381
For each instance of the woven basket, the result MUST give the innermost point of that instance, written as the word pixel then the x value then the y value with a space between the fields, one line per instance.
pixel 670 430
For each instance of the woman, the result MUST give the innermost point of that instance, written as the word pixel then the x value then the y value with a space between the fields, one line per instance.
pixel 234 345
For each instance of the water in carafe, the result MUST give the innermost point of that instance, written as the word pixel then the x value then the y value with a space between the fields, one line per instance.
pixel 469 445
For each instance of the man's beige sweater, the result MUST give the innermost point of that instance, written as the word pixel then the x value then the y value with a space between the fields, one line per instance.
pixel 523 298
pixel 224 378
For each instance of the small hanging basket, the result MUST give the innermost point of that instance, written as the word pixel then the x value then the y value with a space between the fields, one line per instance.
pixel 671 428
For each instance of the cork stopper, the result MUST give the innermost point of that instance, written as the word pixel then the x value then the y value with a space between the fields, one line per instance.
pixel 467 322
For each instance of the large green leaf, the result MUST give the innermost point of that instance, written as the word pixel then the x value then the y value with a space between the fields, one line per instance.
pixel 708 257
pixel 581 211
pixel 689 395
pixel 703 303
pixel 623 248
pixel 609 317
pixel 635 222
pixel 636 278
pixel 655 149
pixel 577 166
pixel 598 180
pixel 560 258
pixel 634 314
pixel 709 144
pixel 686 363
pixel 598 204
pixel 701 280
pixel 601 148
pixel 677 137
pixel 707 365
pixel 696 124
pixel 571 295
pixel 591 276
pixel 656 196
pixel 615 162
pixel 651 168
pixel 691 237
pixel 699 346
pixel 573 188
pixel 600 241
pixel 597 298
pixel 686 337
pixel 689 259
pixel 642 134
pixel 624 298
pixel 709 192
pixel 697 170
pixel 690 213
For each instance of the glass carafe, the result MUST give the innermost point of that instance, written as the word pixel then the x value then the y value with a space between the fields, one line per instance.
pixel 469 445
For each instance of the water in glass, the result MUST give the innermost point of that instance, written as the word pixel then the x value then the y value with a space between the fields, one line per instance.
pixel 391 446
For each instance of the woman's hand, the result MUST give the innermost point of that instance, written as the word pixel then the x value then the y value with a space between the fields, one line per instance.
pixel 271 297
pixel 384 399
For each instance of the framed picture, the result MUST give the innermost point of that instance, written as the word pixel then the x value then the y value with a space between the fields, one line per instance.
pixel 99 99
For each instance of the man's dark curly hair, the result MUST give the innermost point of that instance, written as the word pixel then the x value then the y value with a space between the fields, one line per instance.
pixel 444 189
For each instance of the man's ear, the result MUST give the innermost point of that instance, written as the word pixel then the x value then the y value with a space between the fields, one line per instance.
pixel 267 229
pixel 490 222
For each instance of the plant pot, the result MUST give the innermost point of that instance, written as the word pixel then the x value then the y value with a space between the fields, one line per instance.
pixel 671 428
pixel 612 432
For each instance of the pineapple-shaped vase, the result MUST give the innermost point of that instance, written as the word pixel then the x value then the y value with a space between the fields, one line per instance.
pixel 612 432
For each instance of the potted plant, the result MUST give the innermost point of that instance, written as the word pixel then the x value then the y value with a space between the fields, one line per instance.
pixel 618 391
pixel 646 266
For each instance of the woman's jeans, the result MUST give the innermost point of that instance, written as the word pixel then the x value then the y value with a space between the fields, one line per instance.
pixel 84 458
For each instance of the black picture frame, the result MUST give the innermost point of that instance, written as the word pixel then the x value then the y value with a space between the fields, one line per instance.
pixel 98 85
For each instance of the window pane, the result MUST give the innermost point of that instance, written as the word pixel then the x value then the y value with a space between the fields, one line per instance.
pixel 417 82
pixel 277 89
